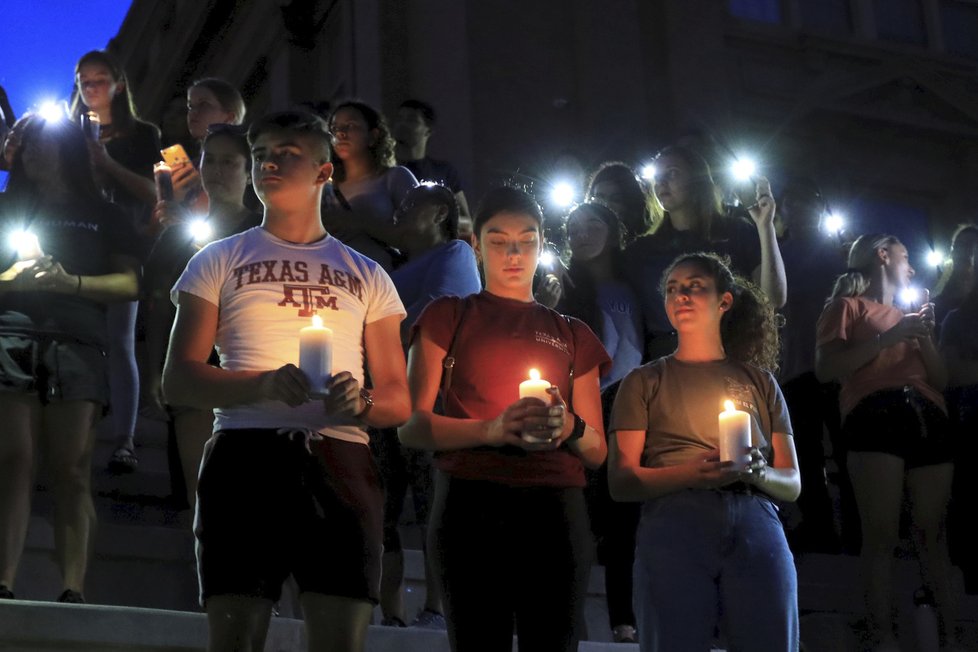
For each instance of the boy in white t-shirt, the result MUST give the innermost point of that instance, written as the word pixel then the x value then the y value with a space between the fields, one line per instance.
pixel 287 485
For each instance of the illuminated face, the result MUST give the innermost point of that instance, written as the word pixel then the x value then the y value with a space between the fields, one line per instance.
pixel 587 234
pixel 204 110
pixel 224 170
pixel 97 86
pixel 285 166
pixel 671 182
pixel 691 299
pixel 351 136
pixel 509 246
pixel 896 265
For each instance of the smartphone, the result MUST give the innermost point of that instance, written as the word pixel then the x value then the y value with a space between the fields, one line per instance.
pixel 175 155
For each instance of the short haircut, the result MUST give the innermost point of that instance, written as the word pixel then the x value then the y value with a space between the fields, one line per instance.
pixel 227 96
pixel 427 111
pixel 298 122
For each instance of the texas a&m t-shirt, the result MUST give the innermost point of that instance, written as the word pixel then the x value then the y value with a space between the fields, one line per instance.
pixel 266 290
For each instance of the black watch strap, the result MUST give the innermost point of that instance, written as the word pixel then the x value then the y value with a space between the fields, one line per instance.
pixel 578 431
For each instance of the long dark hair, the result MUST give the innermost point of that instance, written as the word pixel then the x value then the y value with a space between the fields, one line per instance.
pixel 581 299
pixel 636 220
pixel 381 150
pixel 124 114
pixel 703 192
pixel 749 329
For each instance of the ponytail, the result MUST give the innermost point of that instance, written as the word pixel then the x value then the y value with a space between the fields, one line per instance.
pixel 862 260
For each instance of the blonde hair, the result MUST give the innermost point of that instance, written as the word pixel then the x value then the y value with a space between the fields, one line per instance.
pixel 862 259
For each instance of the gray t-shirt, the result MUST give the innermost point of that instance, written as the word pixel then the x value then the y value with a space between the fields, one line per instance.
pixel 678 405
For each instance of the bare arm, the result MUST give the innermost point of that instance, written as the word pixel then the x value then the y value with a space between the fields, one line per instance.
pixel 425 429
pixel 782 480
pixel 122 284
pixel 189 380
pixel 430 431
pixel 837 359
pixel 628 480
pixel 385 360
pixel 769 275
pixel 592 448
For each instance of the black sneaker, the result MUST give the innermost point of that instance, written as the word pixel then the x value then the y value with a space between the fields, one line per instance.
pixel 71 597
pixel 6 593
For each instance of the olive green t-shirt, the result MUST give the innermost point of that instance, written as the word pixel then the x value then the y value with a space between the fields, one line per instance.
pixel 678 405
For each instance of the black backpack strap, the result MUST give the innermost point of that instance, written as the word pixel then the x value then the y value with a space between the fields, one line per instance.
pixel 448 364
pixel 570 373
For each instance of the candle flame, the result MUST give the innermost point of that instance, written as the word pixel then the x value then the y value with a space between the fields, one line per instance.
pixel 728 406
pixel 534 374
pixel 317 321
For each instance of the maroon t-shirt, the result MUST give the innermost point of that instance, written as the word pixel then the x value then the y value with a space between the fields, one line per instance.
pixel 499 341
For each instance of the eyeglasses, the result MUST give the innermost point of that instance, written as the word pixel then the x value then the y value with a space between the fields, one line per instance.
pixel 224 128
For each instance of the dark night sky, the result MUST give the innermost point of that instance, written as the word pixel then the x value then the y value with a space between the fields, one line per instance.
pixel 40 41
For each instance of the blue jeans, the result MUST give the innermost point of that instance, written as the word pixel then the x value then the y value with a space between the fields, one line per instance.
pixel 707 557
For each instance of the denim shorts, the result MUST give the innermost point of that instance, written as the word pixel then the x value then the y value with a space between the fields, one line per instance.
pixel 903 423
pixel 53 368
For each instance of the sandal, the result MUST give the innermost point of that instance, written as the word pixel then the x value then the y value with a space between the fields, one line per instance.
pixel 123 460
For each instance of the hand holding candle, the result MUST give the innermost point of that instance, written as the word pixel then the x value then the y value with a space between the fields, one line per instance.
pixel 164 181
pixel 316 355
pixel 735 435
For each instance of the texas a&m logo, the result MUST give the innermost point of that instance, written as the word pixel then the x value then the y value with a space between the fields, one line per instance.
pixel 308 298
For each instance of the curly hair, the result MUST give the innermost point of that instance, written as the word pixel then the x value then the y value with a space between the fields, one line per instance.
pixel 382 148
pixel 749 329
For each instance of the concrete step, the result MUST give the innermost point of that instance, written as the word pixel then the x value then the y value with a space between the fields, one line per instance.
pixel 51 627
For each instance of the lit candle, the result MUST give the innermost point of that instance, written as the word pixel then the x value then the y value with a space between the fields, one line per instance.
pixel 535 388
pixel 734 435
pixel 164 181
pixel 91 124
pixel 316 355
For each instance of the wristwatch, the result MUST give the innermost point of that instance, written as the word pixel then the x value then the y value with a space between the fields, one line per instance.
pixel 368 402
pixel 578 431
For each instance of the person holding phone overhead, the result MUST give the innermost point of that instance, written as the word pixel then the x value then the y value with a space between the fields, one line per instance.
pixel 123 156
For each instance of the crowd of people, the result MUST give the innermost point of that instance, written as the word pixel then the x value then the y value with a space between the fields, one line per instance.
pixel 183 287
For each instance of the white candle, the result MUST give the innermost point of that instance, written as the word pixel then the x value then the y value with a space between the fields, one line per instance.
pixel 535 388
pixel 316 355
pixel 734 435
pixel 163 175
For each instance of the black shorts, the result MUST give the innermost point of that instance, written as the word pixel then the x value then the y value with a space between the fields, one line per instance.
pixel 53 368
pixel 903 423
pixel 266 509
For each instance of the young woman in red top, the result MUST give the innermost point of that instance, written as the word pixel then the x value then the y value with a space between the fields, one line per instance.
pixel 509 526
